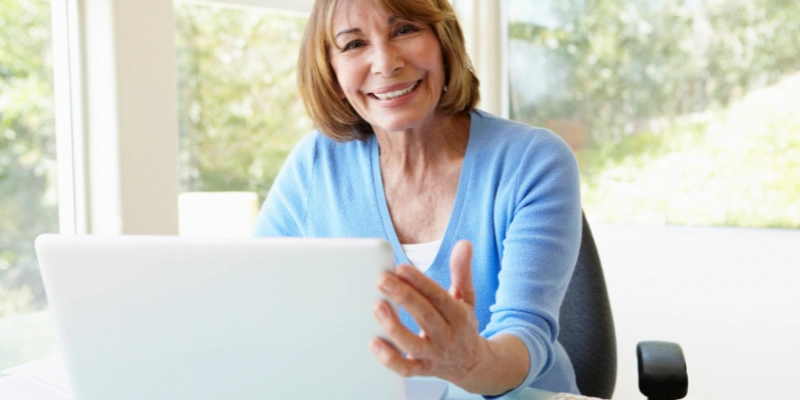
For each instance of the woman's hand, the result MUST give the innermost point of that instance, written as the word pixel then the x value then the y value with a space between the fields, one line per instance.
pixel 449 345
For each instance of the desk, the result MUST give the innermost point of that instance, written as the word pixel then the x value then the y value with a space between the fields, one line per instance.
pixel 31 337
pixel 456 393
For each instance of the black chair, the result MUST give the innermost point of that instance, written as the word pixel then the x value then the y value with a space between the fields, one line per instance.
pixel 587 334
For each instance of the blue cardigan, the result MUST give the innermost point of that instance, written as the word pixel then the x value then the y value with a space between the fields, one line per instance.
pixel 518 202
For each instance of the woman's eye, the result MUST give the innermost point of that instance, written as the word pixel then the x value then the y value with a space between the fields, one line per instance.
pixel 406 29
pixel 352 45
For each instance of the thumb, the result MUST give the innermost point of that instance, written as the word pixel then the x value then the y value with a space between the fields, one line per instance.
pixel 461 272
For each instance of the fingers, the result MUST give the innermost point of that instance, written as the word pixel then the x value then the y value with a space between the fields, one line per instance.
pixel 438 297
pixel 403 338
pixel 394 360
pixel 461 272
pixel 408 296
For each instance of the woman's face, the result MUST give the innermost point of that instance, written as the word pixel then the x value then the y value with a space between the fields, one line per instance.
pixel 389 69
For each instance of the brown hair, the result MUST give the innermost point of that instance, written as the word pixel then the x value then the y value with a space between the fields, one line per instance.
pixel 334 116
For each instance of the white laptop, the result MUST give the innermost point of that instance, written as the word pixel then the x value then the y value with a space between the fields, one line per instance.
pixel 157 317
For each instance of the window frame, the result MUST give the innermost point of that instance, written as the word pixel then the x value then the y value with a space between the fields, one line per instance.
pixel 484 23
pixel 69 140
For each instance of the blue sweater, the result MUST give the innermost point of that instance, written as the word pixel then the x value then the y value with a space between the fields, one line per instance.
pixel 518 202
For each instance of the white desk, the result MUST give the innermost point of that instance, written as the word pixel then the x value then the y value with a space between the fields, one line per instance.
pixel 31 337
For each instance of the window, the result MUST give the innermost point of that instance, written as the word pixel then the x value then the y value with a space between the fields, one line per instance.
pixel 28 177
pixel 239 110
pixel 679 111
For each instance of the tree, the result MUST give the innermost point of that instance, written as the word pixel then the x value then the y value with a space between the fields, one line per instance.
pixel 635 64
pixel 28 201
pixel 240 113
pixel 668 93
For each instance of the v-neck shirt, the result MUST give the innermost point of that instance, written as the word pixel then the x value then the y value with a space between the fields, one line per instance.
pixel 421 255
pixel 518 202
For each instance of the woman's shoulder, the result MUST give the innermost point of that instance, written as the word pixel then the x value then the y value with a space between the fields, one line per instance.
pixel 315 146
pixel 512 137
pixel 319 144
pixel 524 161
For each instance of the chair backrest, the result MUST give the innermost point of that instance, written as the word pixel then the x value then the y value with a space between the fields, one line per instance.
pixel 586 324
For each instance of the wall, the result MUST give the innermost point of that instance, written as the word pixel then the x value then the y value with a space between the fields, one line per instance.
pixel 727 295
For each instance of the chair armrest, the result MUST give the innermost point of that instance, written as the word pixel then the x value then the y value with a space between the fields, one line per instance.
pixel 662 370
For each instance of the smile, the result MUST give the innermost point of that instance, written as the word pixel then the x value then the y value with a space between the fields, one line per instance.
pixel 396 93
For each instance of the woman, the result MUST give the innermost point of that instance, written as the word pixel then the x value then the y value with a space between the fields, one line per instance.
pixel 487 207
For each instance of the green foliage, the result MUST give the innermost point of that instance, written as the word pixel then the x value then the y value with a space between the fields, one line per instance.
pixel 737 167
pixel 28 201
pixel 240 113
pixel 635 63
pixel 649 84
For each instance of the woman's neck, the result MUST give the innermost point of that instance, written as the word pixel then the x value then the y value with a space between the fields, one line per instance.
pixel 417 150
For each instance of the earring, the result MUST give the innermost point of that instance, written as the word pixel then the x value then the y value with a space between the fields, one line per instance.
pixel 445 88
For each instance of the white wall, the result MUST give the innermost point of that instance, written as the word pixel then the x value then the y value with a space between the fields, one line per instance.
pixel 728 296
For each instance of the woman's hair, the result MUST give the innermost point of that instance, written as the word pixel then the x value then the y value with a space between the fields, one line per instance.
pixel 334 116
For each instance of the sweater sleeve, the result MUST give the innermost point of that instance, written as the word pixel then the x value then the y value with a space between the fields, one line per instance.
pixel 540 249
pixel 284 210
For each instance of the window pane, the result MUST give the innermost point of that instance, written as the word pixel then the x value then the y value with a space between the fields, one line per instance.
pixel 28 196
pixel 680 111
pixel 240 113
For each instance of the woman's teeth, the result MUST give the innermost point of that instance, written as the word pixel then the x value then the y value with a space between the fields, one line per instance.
pixel 397 93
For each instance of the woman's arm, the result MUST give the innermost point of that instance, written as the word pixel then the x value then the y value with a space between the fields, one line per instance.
pixel 449 346
pixel 539 250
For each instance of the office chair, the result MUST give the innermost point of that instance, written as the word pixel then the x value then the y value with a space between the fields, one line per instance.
pixel 587 334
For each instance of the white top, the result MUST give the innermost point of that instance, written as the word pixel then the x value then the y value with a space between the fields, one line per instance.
pixel 422 255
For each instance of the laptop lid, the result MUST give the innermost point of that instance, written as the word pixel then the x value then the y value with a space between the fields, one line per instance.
pixel 148 317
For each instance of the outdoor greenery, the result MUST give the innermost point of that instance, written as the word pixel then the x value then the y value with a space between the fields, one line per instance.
pixel 240 113
pixel 28 200
pixel 663 97
pixel 736 167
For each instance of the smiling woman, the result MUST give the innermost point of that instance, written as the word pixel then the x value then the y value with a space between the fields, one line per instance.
pixel 414 20
pixel 401 153
pixel 391 72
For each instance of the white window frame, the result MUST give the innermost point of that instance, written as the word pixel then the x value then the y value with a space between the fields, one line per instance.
pixel 484 23
pixel 69 142
pixel 123 116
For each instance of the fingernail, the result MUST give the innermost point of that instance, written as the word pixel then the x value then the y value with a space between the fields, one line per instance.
pixel 404 271
pixel 382 313
pixel 388 285
pixel 376 346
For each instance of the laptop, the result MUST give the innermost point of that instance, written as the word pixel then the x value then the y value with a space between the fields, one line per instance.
pixel 161 317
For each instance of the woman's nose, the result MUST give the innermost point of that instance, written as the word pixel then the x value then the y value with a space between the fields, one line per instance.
pixel 386 60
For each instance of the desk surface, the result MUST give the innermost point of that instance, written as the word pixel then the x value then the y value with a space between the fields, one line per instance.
pixel 31 337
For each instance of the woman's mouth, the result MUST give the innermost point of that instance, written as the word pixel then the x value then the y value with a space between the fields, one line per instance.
pixel 397 93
